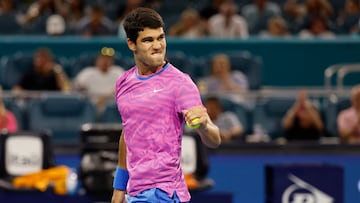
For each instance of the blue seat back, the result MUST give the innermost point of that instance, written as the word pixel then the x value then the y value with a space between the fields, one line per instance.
pixel 269 113
pixel 13 68
pixel 111 114
pixel 333 105
pixel 243 113
pixel 62 114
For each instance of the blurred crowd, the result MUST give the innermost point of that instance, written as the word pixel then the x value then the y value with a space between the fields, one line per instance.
pixel 185 18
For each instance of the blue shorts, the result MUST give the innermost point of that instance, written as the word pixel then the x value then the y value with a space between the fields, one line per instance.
pixel 154 195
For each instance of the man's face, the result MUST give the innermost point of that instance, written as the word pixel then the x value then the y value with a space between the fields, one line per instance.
pixel 40 62
pixel 150 47
pixel 104 62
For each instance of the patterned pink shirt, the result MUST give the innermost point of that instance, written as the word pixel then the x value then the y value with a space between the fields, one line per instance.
pixel 151 109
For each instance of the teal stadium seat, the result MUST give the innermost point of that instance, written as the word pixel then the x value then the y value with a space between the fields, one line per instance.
pixel 181 61
pixel 269 112
pixel 13 68
pixel 111 114
pixel 241 110
pixel 332 107
pixel 9 24
pixel 62 114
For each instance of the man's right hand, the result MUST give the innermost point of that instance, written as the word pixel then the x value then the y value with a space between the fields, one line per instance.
pixel 118 196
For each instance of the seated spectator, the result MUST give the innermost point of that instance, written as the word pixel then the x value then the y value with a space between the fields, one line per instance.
pixel 189 25
pixel 227 23
pixel 348 120
pixel 46 74
pixel 8 120
pixel 258 13
pixel 348 21
pixel 303 120
pixel 72 11
pixel 227 121
pixel 9 17
pixel 276 27
pixel 222 79
pixel 98 81
pixel 317 28
pixel 123 9
pixel 210 9
pixel 55 25
pixel 298 13
pixel 35 17
pixel 95 23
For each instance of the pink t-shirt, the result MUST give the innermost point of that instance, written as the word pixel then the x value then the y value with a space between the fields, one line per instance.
pixel 151 109
pixel 11 122
pixel 347 119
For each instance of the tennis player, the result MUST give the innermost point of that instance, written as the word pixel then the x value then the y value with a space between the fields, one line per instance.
pixel 154 99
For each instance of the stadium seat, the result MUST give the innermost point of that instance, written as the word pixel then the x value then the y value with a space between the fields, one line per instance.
pixel 13 67
pixel 62 114
pixel 181 61
pixel 9 24
pixel 110 114
pixel 241 110
pixel 332 106
pixel 268 113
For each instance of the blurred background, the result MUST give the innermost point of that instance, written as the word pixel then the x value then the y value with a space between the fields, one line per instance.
pixel 279 77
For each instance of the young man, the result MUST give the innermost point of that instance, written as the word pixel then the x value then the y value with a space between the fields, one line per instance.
pixel 154 99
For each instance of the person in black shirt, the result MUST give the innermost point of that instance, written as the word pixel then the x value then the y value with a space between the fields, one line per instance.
pixel 303 121
pixel 45 75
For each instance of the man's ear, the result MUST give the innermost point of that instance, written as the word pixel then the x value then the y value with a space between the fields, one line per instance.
pixel 131 45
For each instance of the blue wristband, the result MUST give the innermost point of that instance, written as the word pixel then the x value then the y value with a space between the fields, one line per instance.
pixel 121 178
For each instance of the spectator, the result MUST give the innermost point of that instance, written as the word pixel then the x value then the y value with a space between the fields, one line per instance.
pixel 9 18
pixel 227 23
pixel 123 10
pixel 348 120
pixel 222 79
pixel 318 28
pixel 98 81
pixel 72 11
pixel 55 25
pixel 37 14
pixel 95 23
pixel 276 27
pixel 227 121
pixel 8 120
pixel 348 21
pixel 299 14
pixel 189 25
pixel 303 120
pixel 126 7
pixel 211 9
pixel 46 74
pixel 258 13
